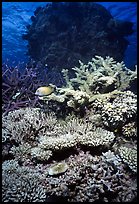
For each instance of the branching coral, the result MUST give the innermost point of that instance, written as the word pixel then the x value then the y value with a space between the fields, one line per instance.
pixel 87 176
pixel 21 184
pixel 39 134
pixel 82 134
pixel 100 75
pixel 130 130
pixel 21 152
pixel 99 78
pixel 24 124
pixel 18 88
pixel 40 154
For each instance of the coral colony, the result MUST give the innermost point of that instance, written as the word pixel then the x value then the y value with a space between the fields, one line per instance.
pixel 75 141
pixel 82 147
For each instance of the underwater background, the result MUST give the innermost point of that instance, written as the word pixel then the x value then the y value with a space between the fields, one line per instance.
pixel 16 15
pixel 69 102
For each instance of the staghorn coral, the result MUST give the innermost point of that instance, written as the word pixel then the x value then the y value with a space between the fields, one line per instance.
pixel 100 75
pixel 18 87
pixel 99 78
pixel 21 184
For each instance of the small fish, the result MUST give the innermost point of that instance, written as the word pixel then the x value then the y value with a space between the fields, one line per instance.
pixel 44 91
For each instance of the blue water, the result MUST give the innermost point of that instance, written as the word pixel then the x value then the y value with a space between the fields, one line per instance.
pixel 16 15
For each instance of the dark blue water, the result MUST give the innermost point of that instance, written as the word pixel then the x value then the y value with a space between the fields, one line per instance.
pixel 16 15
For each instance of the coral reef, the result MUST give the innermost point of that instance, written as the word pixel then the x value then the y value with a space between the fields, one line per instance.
pixel 100 75
pixel 24 124
pixel 122 110
pixel 130 130
pixel 65 35
pixel 129 156
pixel 99 79
pixel 84 151
pixel 18 88
pixel 92 178
pixel 38 168
pixel 40 154
pixel 21 184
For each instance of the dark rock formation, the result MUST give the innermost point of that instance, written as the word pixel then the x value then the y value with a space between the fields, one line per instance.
pixel 63 33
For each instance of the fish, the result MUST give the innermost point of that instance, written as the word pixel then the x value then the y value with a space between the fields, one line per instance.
pixel 44 91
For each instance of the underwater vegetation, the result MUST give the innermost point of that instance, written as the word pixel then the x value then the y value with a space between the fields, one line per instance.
pixel 80 145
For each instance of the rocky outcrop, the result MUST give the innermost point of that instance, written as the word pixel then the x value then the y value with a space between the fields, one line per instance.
pixel 63 33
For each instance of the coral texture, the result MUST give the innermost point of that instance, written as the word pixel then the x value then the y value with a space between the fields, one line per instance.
pixel 100 75
pixel 18 88
pixel 100 78
pixel 38 151
pixel 122 110
pixel 130 130
pixel 129 156
pixel 85 151
pixel 21 184
pixel 92 178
